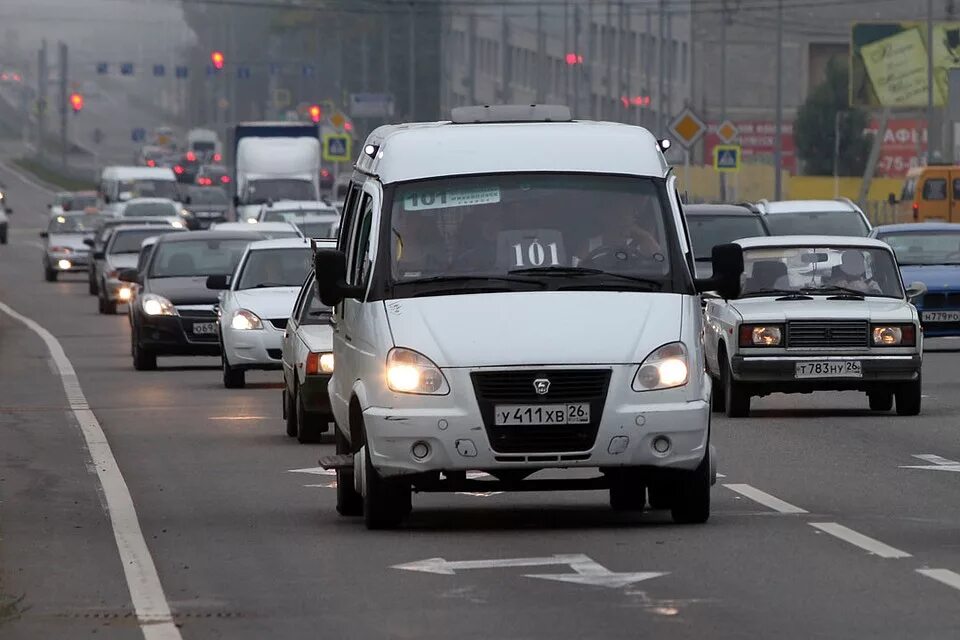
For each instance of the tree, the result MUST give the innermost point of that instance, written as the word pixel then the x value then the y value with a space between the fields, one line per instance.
pixel 813 130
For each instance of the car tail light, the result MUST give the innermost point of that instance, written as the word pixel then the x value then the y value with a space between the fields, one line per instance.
pixel 916 210
pixel 178 170
pixel 191 156
pixel 224 179
pixel 217 157
pixel 151 163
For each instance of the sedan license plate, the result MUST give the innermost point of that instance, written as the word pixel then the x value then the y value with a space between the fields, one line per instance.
pixel 940 316
pixel 204 328
pixel 541 414
pixel 829 369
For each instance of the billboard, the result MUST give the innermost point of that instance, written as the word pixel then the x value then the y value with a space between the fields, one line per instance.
pixel 888 63
pixel 904 146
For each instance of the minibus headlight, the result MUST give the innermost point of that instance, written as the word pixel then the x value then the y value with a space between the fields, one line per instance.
pixel 411 372
pixel 665 368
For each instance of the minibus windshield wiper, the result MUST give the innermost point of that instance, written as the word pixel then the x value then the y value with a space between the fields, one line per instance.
pixel 585 271
pixel 453 279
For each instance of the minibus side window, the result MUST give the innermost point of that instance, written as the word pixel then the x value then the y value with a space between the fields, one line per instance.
pixel 361 262
pixel 935 189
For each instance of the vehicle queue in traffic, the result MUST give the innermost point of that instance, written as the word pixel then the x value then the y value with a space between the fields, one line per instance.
pixel 450 292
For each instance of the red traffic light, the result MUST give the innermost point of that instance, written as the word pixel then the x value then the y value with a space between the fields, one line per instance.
pixel 573 59
pixel 315 112
pixel 76 102
pixel 217 59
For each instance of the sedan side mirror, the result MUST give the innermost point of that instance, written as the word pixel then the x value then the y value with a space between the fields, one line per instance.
pixel 88 241
pixel 916 290
pixel 218 282
pixel 330 267
pixel 727 262
pixel 129 275
pixel 892 198
pixel 44 234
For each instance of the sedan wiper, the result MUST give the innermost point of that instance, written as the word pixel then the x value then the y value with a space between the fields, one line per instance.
pixel 586 271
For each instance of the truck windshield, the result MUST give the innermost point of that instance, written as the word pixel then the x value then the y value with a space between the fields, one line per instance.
pixel 263 191
pixel 549 227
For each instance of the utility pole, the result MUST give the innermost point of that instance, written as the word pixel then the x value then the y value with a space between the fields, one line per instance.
pixel 472 57
pixel 608 39
pixel 541 43
pixel 566 50
pixel 778 129
pixel 661 126
pixel 723 87
pixel 43 75
pixel 648 64
pixel 930 135
pixel 668 81
pixel 412 66
pixel 64 104
pixel 577 67
pixel 385 44
pixel 621 79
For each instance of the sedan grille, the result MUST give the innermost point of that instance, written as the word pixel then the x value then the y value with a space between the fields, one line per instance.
pixel 513 387
pixel 940 301
pixel 813 334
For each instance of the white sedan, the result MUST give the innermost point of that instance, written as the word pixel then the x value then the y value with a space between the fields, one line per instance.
pixel 256 304
pixel 815 313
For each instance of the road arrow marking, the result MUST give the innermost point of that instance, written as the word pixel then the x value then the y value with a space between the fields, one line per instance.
pixel 936 463
pixel 587 570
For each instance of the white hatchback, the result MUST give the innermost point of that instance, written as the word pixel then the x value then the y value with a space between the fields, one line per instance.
pixel 256 304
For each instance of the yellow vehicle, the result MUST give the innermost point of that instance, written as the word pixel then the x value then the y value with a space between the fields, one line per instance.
pixel 930 193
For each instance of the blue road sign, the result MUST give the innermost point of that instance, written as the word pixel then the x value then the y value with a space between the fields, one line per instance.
pixel 126 69
pixel 307 70
pixel 726 157
pixel 243 72
pixel 336 147
pixel 138 135
pixel 102 68
pixel 159 70
pixel 210 70
pixel 182 72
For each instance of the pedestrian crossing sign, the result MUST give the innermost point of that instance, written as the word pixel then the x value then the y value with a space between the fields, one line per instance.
pixel 336 147
pixel 726 158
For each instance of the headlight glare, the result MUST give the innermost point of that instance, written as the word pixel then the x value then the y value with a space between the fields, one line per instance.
pixel 176 224
pixel 893 335
pixel 665 368
pixel 244 320
pixel 761 335
pixel 154 305
pixel 411 372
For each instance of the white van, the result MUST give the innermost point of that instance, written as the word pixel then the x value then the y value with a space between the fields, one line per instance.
pixel 205 143
pixel 119 184
pixel 513 292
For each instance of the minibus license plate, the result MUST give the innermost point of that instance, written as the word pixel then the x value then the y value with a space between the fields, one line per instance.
pixel 829 369
pixel 541 414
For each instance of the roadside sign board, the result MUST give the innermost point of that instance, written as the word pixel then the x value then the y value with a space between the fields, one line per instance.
pixel 726 158
pixel 336 147
pixel 338 120
pixel 687 128
pixel 281 98
pixel 138 135
pixel 727 132
pixel 371 105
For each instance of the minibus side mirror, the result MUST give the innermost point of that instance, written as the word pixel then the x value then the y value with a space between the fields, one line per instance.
pixel 330 268
pixel 727 262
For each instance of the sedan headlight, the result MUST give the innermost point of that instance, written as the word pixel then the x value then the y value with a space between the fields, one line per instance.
pixel 177 224
pixel 893 335
pixel 244 320
pixel 761 335
pixel 665 368
pixel 412 372
pixel 154 305
pixel 318 363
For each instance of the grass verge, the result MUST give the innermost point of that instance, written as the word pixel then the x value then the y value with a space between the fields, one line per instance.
pixel 53 177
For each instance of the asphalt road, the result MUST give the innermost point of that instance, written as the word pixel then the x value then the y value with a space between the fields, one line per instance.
pixel 246 543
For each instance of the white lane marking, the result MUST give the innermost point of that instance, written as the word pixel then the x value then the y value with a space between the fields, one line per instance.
pixel 859 540
pixel 764 498
pixel 587 570
pixel 937 463
pixel 238 418
pixel 146 592
pixel 945 576
pixel 319 471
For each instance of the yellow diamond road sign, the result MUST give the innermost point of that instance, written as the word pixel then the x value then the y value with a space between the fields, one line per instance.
pixel 338 120
pixel 687 128
pixel 727 132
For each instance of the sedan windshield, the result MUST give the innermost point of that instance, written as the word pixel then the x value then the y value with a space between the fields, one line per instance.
pixel 559 228
pixel 150 189
pixel 275 268
pixel 942 247
pixel 817 223
pixel 262 191
pixel 150 209
pixel 299 215
pixel 78 202
pixel 197 258
pixel 75 224
pixel 780 271
pixel 208 195
pixel 709 231
pixel 129 240
pixel 320 230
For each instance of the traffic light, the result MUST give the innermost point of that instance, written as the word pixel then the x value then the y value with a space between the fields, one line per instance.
pixel 573 59
pixel 315 112
pixel 217 60
pixel 76 102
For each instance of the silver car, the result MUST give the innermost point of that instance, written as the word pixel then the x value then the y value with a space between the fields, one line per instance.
pixel 815 313
pixel 64 246
pixel 121 252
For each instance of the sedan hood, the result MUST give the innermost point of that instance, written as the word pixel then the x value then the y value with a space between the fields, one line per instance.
pixel 273 303
pixel 937 277
pixel 543 328
pixel 192 290
pixel 72 240
pixel 769 309
pixel 122 260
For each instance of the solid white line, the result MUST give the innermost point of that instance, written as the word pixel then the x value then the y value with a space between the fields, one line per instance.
pixel 945 576
pixel 932 459
pixel 146 592
pixel 859 540
pixel 764 498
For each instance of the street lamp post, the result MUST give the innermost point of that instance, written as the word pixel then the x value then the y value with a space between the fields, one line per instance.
pixel 836 152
